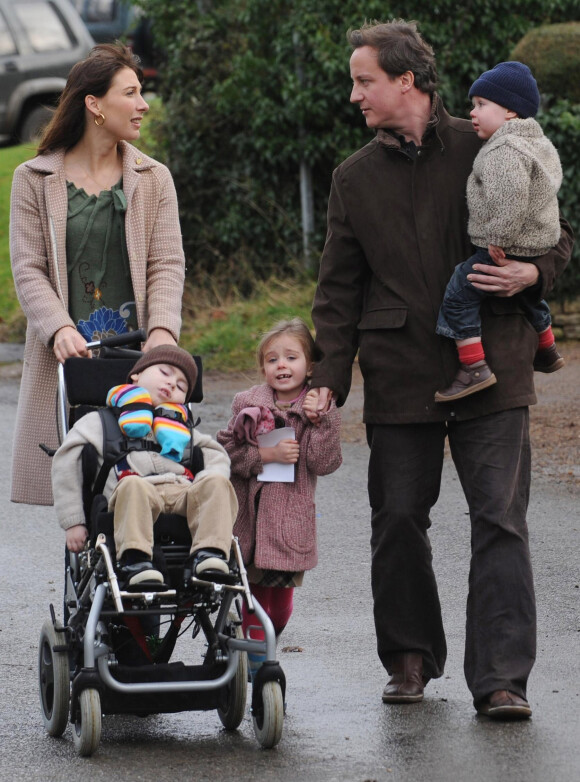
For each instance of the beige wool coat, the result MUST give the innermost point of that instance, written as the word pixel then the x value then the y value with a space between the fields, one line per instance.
pixel 38 254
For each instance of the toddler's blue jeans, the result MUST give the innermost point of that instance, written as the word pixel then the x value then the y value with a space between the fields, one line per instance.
pixel 459 316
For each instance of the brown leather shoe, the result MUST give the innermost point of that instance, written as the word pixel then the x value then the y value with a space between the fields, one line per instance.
pixel 469 379
pixel 504 705
pixel 548 359
pixel 407 683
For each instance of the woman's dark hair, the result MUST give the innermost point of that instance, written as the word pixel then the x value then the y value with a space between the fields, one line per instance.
pixel 92 76
pixel 401 48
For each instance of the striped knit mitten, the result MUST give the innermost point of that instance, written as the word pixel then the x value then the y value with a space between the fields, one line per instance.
pixel 170 430
pixel 136 418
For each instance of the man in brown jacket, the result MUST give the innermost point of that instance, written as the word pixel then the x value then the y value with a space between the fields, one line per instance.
pixel 397 226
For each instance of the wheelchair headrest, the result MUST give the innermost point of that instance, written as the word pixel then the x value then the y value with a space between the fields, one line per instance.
pixel 88 380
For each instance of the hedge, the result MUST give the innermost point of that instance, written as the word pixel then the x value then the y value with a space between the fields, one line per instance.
pixel 255 89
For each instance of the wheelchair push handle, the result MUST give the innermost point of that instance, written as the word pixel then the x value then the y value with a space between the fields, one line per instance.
pixel 117 340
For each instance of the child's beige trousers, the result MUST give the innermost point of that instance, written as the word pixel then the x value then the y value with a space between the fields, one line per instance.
pixel 209 505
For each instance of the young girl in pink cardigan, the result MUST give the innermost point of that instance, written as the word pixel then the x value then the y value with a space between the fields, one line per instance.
pixel 276 524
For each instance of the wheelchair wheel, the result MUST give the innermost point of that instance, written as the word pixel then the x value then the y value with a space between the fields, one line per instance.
pixel 269 721
pixel 87 724
pixel 53 679
pixel 232 715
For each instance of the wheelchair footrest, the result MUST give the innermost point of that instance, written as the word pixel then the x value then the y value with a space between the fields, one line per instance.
pixel 163 702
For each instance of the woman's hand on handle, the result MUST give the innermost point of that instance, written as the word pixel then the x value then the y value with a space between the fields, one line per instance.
pixel 158 337
pixel 68 343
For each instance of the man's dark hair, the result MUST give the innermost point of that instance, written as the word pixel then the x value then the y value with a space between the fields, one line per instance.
pixel 400 48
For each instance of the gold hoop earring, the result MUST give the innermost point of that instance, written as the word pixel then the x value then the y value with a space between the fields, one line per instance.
pixel 100 116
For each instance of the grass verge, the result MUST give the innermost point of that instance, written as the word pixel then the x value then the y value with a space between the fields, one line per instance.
pixel 226 332
pixel 10 316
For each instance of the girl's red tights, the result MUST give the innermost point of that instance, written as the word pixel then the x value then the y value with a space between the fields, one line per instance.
pixel 277 602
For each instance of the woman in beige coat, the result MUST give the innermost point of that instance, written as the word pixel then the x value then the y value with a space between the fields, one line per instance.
pixel 95 245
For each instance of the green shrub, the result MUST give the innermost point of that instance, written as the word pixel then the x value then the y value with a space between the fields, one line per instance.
pixel 254 88
pixel 153 139
pixel 226 331
pixel 553 54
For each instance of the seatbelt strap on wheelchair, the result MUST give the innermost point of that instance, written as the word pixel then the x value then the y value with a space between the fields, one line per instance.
pixel 116 446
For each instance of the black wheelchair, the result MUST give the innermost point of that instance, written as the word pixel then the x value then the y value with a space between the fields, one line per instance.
pixel 177 649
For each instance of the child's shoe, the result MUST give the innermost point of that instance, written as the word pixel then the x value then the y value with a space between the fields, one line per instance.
pixel 207 565
pixel 469 379
pixel 548 359
pixel 140 574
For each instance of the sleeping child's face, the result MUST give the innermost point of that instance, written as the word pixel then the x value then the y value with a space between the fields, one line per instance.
pixel 285 367
pixel 164 382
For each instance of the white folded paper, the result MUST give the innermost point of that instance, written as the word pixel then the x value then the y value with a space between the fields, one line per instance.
pixel 276 471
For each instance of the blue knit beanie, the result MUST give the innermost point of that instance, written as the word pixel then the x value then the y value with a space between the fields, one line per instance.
pixel 511 85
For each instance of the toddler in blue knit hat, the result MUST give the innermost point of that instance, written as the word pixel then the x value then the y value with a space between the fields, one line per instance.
pixel 513 215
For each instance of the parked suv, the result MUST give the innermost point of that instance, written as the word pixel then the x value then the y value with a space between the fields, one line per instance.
pixel 111 20
pixel 40 41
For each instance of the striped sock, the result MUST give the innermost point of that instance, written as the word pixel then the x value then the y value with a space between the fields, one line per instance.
pixel 546 338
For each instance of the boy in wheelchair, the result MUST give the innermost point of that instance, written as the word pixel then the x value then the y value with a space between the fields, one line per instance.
pixel 167 467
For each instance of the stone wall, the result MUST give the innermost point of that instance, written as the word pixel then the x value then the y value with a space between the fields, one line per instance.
pixel 566 319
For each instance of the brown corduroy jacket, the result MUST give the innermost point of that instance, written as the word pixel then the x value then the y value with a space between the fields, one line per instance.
pixel 38 217
pixel 397 227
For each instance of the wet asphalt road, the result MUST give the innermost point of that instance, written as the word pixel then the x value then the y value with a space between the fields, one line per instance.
pixel 336 726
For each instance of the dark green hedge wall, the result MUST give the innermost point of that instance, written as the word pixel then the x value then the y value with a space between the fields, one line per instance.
pixel 252 88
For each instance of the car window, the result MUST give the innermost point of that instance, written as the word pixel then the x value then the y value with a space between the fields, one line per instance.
pixel 7 45
pixel 44 27
pixel 96 10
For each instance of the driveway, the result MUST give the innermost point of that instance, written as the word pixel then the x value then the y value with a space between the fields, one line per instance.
pixel 336 728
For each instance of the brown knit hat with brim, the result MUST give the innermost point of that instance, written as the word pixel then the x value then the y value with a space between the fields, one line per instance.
pixel 168 354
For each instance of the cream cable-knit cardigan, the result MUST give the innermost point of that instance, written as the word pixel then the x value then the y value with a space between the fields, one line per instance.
pixel 512 191
pixel 38 253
